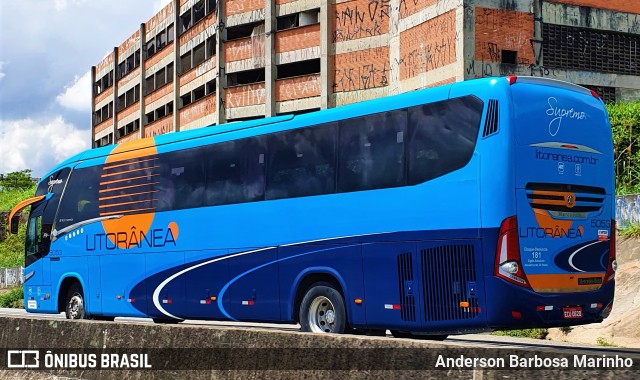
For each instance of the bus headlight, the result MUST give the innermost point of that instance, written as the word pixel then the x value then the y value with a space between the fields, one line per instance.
pixel 510 267
pixel 614 265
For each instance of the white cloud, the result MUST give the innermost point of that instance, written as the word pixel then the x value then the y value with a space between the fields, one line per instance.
pixel 77 95
pixel 2 73
pixel 160 4
pixel 35 145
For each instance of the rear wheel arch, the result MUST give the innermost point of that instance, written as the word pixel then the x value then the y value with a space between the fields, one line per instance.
pixel 307 279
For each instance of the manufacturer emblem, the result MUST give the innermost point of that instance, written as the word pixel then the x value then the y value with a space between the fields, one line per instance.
pixel 571 200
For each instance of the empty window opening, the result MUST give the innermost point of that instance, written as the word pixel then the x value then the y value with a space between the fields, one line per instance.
pixel 198 54
pixel 240 31
pixel 186 99
pixel 185 62
pixel 295 69
pixel 246 77
pixel 198 93
pixel 510 57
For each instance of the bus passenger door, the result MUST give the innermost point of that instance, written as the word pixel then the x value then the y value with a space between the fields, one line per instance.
pixel 391 285
pixel 253 291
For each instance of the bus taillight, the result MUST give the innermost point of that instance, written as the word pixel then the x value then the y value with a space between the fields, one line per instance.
pixel 508 264
pixel 613 264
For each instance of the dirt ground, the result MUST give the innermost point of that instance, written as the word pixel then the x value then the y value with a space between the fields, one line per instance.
pixel 622 328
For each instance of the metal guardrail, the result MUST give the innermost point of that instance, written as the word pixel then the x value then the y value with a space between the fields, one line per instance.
pixel 627 210
pixel 10 277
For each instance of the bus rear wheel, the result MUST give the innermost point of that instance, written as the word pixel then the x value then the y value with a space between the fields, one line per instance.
pixel 74 308
pixel 322 310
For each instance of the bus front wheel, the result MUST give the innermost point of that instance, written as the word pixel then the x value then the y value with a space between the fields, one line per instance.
pixel 322 310
pixel 74 308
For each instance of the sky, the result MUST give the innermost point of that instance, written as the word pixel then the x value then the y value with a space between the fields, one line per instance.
pixel 47 48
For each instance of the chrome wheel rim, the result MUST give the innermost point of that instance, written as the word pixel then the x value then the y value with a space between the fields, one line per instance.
pixel 75 307
pixel 322 315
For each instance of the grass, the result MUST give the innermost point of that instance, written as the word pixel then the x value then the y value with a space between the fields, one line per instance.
pixel 603 342
pixel 630 231
pixel 12 298
pixel 527 333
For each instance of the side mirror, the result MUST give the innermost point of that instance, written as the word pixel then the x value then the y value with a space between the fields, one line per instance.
pixel 15 222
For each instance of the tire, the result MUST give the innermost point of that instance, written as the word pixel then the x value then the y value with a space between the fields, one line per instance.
pixel 322 310
pixel 419 336
pixel 74 306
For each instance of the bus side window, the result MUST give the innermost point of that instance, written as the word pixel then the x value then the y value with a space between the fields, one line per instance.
pixel 80 198
pixel 302 162
pixel 235 171
pixel 442 137
pixel 181 183
pixel 372 151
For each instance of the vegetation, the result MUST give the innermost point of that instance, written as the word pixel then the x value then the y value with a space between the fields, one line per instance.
pixel 12 298
pixel 630 231
pixel 603 342
pixel 14 187
pixel 625 124
pixel 528 333
pixel 16 180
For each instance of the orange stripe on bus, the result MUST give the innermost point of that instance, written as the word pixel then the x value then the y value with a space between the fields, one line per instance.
pixel 126 195
pixel 128 171
pixel 128 163
pixel 127 179
pixel 126 203
pixel 127 187
pixel 562 283
pixel 125 212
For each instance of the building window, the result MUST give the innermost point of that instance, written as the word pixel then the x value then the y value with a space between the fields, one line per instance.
pixel 104 83
pixel 586 49
pixel 198 54
pixel 246 77
pixel 185 62
pixel 295 20
pixel 510 57
pixel 129 128
pixel 298 68
pixel 129 64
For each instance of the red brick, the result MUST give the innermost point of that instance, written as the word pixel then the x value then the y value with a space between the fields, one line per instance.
pixel 361 70
pixel 298 38
pixel 298 88
pixel 499 29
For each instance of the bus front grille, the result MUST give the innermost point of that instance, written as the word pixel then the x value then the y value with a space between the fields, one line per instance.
pixel 448 278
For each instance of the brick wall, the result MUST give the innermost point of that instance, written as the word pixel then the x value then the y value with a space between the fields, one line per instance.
pixel 409 7
pixel 428 46
pixel 361 70
pixel 243 48
pixel 359 19
pixel 103 95
pixel 298 87
pixel 159 127
pixel 630 6
pixel 128 43
pixel 298 38
pixel 197 110
pixel 499 29
pixel 246 95
pixel 234 7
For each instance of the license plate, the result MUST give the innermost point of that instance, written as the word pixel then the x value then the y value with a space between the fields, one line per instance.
pixel 572 312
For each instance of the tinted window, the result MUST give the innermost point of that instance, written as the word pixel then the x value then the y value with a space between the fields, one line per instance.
pixel 80 200
pixel 235 171
pixel 442 137
pixel 372 151
pixel 302 162
pixel 181 180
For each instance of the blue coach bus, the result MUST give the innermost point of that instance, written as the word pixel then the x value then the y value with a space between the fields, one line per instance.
pixel 479 205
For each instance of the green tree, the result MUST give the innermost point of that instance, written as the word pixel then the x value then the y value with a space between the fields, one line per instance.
pixel 16 180
pixel 625 125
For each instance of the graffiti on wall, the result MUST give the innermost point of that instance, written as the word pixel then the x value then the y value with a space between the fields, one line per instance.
pixel 627 210
pixel 361 18
pixel 362 70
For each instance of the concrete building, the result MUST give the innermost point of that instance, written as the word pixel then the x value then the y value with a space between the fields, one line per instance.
pixel 204 62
